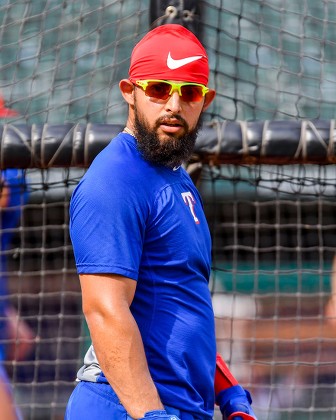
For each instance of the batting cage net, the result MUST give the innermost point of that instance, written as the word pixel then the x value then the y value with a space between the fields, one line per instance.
pixel 263 162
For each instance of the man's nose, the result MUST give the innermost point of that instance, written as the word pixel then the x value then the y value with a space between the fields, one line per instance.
pixel 173 103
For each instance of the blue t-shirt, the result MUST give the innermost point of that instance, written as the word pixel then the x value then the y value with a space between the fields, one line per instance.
pixel 146 222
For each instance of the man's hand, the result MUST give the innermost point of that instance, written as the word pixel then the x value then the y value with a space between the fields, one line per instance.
pixel 235 404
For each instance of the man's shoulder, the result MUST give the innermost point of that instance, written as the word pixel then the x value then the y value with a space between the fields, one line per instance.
pixel 116 157
pixel 120 148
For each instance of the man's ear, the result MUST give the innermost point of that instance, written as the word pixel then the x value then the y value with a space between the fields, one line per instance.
pixel 209 97
pixel 127 90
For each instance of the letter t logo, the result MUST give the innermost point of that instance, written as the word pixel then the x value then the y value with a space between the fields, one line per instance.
pixel 190 202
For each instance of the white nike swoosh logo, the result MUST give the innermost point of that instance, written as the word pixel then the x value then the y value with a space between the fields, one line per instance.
pixel 175 64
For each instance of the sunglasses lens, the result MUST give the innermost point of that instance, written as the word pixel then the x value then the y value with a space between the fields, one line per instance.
pixel 191 93
pixel 158 90
pixel 162 90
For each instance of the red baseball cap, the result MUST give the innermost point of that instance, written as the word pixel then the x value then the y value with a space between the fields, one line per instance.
pixel 170 52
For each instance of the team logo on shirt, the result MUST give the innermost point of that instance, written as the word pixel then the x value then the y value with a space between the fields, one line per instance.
pixel 189 200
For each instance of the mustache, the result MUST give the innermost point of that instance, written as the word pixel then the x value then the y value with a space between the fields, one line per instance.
pixel 172 119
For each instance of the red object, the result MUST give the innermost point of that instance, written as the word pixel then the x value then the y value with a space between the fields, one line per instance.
pixel 6 112
pixel 223 380
pixel 170 52
pixel 240 415
pixel 223 377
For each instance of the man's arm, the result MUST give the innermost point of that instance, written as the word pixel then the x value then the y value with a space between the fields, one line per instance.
pixel 19 334
pixel 6 403
pixel 4 194
pixel 117 341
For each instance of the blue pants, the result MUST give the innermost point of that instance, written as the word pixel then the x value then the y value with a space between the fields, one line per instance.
pixel 98 401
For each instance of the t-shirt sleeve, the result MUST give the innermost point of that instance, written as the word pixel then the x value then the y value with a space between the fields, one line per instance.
pixel 107 226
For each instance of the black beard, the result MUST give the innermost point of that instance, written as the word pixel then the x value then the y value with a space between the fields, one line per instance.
pixel 171 152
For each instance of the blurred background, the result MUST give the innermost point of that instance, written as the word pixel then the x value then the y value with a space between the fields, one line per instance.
pixel 273 226
pixel 61 60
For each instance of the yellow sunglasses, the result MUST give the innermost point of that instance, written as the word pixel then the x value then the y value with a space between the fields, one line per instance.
pixel 161 89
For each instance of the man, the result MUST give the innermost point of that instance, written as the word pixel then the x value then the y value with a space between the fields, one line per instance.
pixel 142 248
pixel 12 329
pixel 16 336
